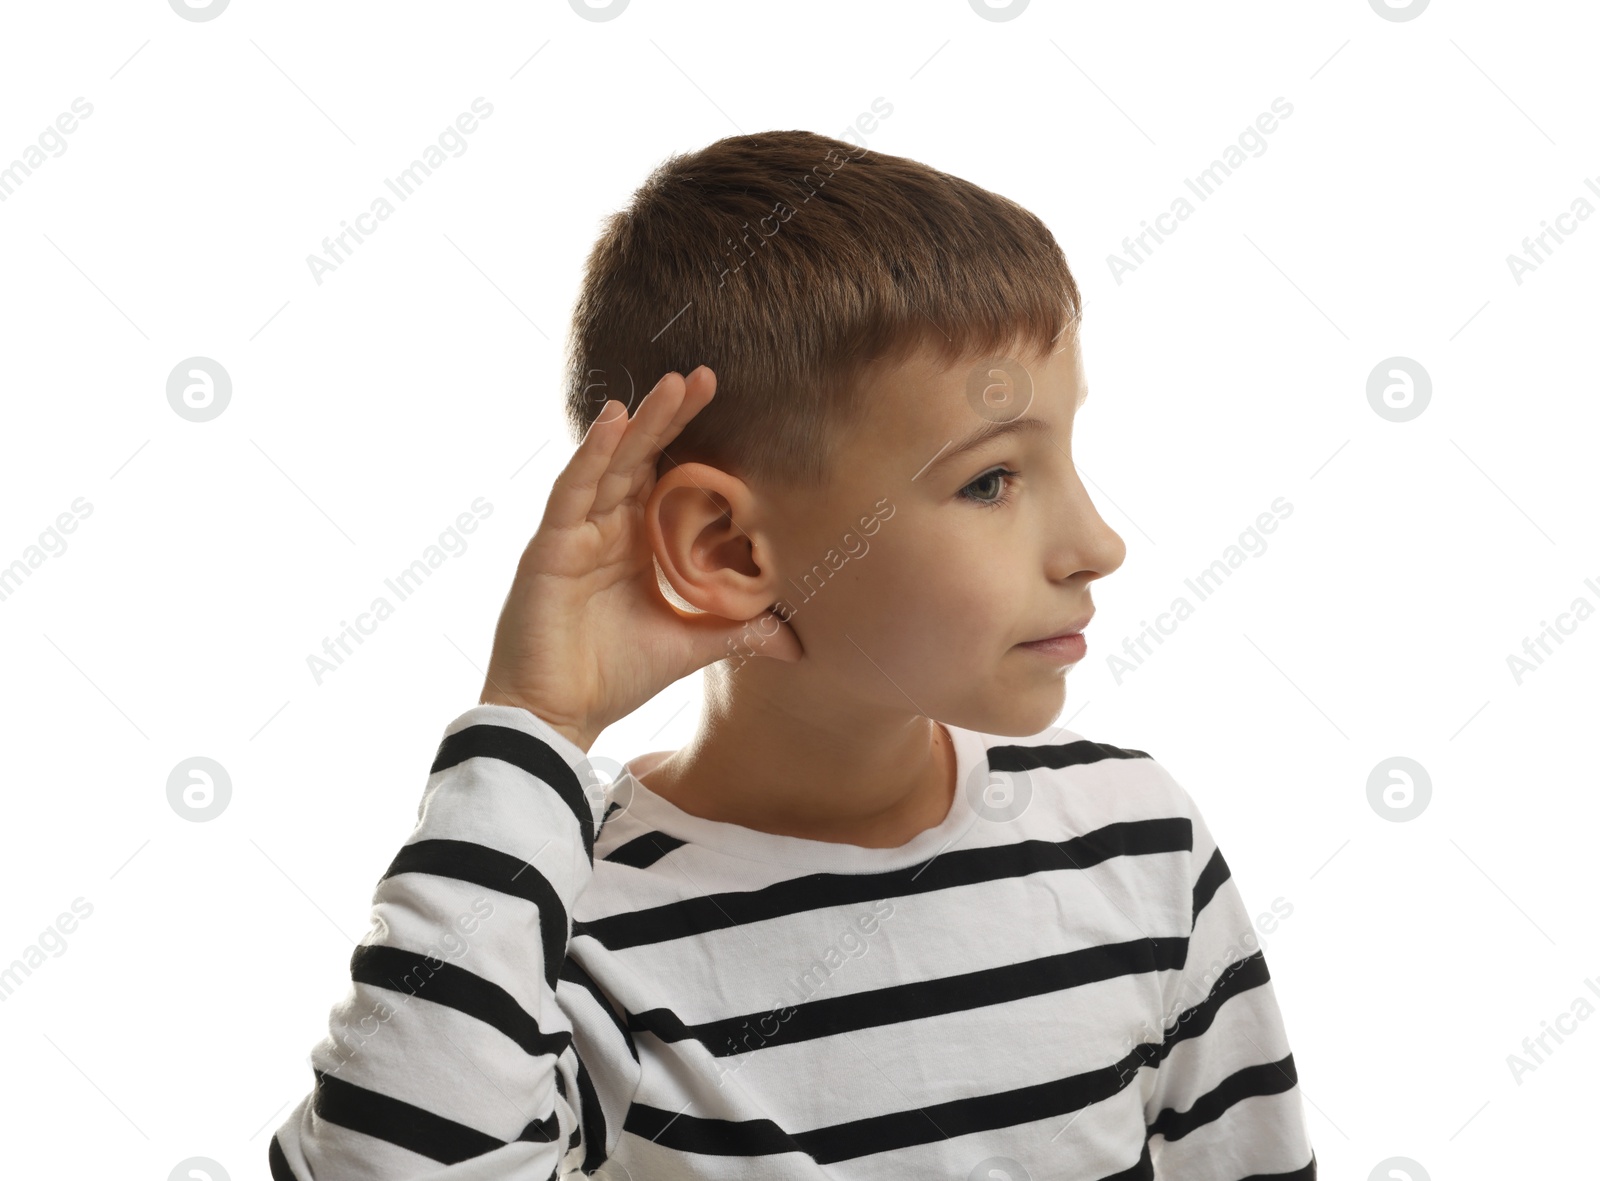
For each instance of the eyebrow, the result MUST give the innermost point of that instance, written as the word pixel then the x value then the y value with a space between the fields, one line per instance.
pixel 984 433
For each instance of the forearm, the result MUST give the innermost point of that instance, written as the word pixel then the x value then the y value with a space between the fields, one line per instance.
pixel 446 1048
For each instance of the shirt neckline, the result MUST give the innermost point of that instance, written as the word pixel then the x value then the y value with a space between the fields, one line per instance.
pixel 735 840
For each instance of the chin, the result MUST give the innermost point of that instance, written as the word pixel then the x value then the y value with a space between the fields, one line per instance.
pixel 1017 716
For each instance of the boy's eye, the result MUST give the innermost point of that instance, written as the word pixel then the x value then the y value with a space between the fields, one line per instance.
pixel 998 497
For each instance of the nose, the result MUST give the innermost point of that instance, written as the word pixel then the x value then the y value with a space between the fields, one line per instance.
pixel 1083 544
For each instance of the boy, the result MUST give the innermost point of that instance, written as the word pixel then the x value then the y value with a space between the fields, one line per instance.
pixel 879 918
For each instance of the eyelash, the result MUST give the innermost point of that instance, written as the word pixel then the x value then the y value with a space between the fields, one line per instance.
pixel 999 501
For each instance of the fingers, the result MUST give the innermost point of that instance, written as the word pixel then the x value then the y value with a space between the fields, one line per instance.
pixel 660 416
pixel 651 417
pixel 612 459
pixel 701 384
pixel 572 495
pixel 698 388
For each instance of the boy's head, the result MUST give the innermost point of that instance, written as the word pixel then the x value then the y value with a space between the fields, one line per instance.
pixel 865 315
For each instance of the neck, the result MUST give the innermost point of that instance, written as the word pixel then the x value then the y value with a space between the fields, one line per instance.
pixel 848 775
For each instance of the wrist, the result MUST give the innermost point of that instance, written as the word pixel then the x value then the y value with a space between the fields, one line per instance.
pixel 576 733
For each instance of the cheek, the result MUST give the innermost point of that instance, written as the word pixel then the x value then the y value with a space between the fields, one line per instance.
pixel 923 611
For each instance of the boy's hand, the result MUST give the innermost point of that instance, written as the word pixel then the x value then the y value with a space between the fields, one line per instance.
pixel 586 636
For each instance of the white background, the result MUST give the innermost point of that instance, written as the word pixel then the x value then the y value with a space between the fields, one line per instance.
pixel 371 409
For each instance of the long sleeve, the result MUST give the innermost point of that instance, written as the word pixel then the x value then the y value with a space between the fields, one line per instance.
pixel 1226 1103
pixel 454 1054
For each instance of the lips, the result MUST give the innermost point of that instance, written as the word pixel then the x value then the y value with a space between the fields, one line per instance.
pixel 1063 650
pixel 1072 629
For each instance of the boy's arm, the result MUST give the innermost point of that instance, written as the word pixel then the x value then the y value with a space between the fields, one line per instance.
pixel 1226 1102
pixel 452 1055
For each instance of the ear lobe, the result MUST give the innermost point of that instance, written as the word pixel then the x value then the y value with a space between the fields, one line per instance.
pixel 668 591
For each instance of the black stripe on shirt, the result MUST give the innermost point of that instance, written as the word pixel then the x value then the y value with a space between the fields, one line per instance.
pixel 1205 888
pixel 1014 757
pixel 530 754
pixel 277 1162
pixel 573 972
pixel 644 850
pixel 396 1121
pixel 648 848
pixel 689 917
pixel 882 1133
pixel 1143 1170
pixel 453 986
pixel 1239 976
pixel 1267 1078
pixel 469 862
pixel 560 1088
pixel 982 1113
pixel 1308 1173
pixel 594 1120
pixel 911 1001
pixel 543 1131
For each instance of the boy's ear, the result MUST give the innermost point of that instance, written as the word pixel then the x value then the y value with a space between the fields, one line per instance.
pixel 710 542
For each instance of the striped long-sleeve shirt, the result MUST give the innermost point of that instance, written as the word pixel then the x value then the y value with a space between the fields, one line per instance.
pixel 568 975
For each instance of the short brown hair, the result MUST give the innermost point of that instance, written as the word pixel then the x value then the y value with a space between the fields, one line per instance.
pixel 788 262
